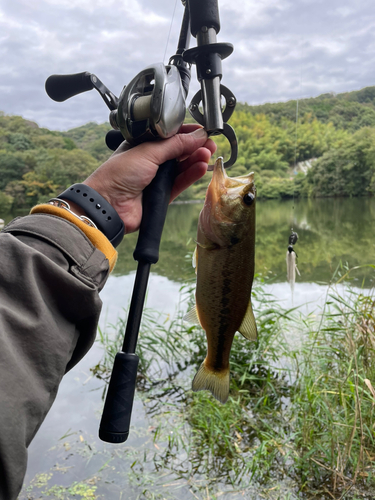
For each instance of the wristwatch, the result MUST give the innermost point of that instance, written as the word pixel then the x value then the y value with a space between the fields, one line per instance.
pixel 97 208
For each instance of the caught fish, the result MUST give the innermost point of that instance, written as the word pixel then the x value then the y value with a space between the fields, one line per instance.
pixel 224 259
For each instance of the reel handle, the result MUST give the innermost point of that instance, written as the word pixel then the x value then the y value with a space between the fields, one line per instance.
pixel 62 87
pixel 114 139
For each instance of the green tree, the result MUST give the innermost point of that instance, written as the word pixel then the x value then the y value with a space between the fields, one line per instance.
pixel 38 188
pixel 6 203
pixel 20 142
pixel 348 170
pixel 56 170
pixel 12 167
pixel 91 138
pixel 16 190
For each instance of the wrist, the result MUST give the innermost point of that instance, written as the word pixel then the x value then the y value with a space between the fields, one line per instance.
pixel 77 209
pixel 98 187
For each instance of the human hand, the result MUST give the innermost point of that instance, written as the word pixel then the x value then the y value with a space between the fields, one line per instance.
pixel 123 177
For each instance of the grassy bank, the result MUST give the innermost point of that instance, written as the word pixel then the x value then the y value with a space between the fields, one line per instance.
pixel 299 420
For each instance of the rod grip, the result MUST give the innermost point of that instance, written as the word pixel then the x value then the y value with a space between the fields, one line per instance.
pixel 62 87
pixel 155 203
pixel 115 422
pixel 204 13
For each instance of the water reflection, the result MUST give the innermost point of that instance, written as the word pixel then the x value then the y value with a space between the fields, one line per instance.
pixel 163 296
pixel 329 230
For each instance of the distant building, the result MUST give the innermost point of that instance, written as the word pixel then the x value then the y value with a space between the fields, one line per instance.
pixel 303 166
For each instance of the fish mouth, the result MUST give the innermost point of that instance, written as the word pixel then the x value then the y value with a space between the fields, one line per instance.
pixel 215 190
pixel 217 185
pixel 221 184
pixel 223 196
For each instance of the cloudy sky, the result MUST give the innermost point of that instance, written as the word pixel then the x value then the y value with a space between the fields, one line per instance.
pixel 284 49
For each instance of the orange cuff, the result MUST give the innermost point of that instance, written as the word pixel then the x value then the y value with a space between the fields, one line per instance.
pixel 96 237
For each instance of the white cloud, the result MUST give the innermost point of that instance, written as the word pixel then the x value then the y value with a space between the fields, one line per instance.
pixel 328 46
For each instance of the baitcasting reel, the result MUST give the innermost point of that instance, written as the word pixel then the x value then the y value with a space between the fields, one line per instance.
pixel 151 105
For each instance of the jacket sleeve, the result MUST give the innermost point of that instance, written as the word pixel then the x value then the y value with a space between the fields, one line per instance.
pixel 50 276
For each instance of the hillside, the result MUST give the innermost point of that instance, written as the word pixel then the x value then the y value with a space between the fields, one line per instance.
pixel 349 110
pixel 336 132
pixel 90 138
pixel 37 163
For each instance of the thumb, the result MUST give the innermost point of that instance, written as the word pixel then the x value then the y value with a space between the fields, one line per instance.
pixel 175 147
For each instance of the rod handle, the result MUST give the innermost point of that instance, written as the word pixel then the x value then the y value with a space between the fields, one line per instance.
pixel 155 203
pixel 62 87
pixel 115 422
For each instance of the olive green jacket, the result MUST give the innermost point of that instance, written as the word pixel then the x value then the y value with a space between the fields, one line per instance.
pixel 50 276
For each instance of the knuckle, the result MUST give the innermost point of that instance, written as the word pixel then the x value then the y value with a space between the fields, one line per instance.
pixel 180 142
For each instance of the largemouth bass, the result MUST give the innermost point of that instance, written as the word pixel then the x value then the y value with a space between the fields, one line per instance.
pixel 224 259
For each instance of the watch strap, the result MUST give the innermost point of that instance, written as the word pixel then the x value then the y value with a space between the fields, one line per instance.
pixel 97 208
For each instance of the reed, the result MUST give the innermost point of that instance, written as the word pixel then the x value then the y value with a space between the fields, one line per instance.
pixel 334 399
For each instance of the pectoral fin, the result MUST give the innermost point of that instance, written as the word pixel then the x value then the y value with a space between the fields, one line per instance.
pixel 192 317
pixel 248 326
pixel 211 246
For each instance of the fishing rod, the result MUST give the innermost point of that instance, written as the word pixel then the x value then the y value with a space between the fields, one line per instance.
pixel 153 106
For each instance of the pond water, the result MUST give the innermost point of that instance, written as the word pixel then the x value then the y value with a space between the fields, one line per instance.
pixel 67 451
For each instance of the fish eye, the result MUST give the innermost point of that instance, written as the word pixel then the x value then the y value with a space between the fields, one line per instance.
pixel 248 198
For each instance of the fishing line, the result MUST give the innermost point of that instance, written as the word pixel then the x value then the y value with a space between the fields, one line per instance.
pixel 295 146
pixel 170 29
pixel 291 256
pixel 296 138
pixel 295 153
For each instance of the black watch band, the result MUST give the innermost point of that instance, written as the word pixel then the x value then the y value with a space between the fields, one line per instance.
pixel 97 208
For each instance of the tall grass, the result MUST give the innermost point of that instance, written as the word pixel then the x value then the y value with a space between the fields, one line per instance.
pixel 299 419
pixel 334 398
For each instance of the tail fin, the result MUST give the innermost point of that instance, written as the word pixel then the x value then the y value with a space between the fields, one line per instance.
pixel 215 382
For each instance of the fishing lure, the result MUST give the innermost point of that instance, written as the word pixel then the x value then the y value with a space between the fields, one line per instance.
pixel 291 261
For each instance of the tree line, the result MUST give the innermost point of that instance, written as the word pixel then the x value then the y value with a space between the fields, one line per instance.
pixel 333 134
